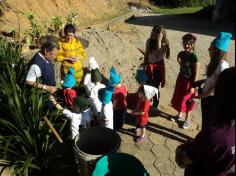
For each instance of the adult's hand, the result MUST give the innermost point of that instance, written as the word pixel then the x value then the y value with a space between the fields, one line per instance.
pixel 70 59
pixel 50 89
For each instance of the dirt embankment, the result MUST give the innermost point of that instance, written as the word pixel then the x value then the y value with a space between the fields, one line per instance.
pixel 88 10
pixel 112 49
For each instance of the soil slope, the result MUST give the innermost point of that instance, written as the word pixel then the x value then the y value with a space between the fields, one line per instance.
pixel 45 10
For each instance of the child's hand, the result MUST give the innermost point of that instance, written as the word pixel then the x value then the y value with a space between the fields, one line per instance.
pixel 192 90
pixel 129 111
pixel 66 111
pixel 133 113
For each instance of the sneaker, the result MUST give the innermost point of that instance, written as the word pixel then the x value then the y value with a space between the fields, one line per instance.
pixel 176 118
pixel 186 124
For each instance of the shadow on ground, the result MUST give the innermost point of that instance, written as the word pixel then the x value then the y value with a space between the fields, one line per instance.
pixel 155 128
pixel 185 23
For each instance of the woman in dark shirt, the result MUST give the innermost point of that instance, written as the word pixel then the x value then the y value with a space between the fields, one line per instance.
pixel 212 152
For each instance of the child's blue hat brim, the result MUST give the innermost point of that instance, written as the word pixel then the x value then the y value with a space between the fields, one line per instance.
pixel 222 41
pixel 69 80
pixel 105 95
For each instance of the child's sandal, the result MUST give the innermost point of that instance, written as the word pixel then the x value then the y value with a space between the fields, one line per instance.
pixel 140 139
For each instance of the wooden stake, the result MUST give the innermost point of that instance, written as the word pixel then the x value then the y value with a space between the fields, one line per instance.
pixel 53 129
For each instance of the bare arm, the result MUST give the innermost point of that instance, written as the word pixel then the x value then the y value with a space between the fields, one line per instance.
pixel 159 43
pixel 196 71
pixel 138 113
pixel 50 89
pixel 205 94
pixel 195 76
pixel 179 60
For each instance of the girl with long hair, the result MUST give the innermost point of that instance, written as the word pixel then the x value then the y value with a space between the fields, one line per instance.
pixel 218 54
pixel 157 49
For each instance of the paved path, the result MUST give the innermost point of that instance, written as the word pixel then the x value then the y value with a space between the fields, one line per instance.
pixel 157 153
pixel 163 136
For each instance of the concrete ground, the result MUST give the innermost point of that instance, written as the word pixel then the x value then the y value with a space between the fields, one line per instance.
pixel 157 153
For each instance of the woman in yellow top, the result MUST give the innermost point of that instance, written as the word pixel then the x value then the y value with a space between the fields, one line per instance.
pixel 71 53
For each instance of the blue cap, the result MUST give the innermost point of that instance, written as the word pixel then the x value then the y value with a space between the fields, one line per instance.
pixel 105 94
pixel 69 80
pixel 141 76
pixel 222 41
pixel 114 77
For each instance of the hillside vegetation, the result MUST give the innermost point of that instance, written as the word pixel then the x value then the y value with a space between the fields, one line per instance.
pixel 13 12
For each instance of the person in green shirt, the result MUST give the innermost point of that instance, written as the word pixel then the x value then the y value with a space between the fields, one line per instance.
pixel 189 69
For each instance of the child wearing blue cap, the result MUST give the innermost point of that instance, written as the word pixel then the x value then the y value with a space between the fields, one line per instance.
pixel 106 115
pixel 68 92
pixel 218 53
pixel 119 99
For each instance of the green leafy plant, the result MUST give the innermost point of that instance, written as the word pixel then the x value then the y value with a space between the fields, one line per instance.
pixel 72 18
pixel 36 29
pixel 26 142
pixel 57 23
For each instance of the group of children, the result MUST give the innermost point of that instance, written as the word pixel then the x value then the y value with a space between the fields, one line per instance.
pixel 96 104
pixel 106 105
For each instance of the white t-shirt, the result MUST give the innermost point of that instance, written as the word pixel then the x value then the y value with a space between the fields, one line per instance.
pixel 77 120
pixel 107 115
pixel 87 81
pixel 155 56
pixel 150 91
pixel 212 80
pixel 34 72
pixel 94 97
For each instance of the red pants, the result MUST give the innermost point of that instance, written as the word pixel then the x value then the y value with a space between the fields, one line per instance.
pixel 156 73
